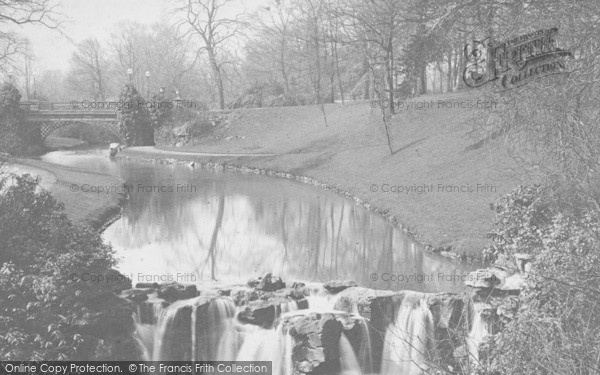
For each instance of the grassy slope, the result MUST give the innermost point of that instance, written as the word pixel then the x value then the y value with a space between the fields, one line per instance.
pixel 85 208
pixel 430 147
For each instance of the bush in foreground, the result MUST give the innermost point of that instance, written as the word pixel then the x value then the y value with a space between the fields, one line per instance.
pixel 557 329
pixel 47 312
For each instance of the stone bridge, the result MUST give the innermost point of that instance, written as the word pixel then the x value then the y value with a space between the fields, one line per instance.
pixel 54 115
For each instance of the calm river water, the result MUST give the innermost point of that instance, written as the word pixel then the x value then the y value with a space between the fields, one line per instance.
pixel 193 225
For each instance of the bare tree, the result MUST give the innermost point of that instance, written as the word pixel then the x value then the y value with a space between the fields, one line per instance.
pixel 204 19
pixel 89 69
pixel 16 13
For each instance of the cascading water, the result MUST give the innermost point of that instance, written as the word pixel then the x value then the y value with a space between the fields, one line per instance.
pixel 277 346
pixel 479 330
pixel 322 302
pixel 365 352
pixel 268 345
pixel 408 339
pixel 204 329
pixel 349 364
pixel 197 329
pixel 145 320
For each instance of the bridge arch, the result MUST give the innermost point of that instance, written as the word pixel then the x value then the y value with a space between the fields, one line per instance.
pixel 113 127
pixel 50 116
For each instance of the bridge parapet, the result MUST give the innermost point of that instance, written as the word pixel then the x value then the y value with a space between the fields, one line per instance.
pixel 68 107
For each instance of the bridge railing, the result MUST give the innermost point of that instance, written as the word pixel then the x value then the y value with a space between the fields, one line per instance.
pixel 66 106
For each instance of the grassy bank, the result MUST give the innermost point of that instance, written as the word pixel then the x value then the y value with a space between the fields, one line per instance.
pixel 447 178
pixel 64 183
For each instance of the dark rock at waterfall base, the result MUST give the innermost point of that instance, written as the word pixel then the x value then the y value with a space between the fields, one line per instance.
pixel 316 339
pixel 175 292
pixel 336 286
pixel 298 293
pixel 224 292
pixel 363 300
pixel 298 285
pixel 268 283
pixel 264 312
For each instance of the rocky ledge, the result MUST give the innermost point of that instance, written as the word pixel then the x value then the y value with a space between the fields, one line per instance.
pixel 321 317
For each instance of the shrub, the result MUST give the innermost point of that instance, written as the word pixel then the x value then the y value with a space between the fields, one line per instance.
pixel 16 137
pixel 136 123
pixel 557 329
pixel 520 217
pixel 47 312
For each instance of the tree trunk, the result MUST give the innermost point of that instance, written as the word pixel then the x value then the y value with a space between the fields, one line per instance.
pixel 218 77
pixel 449 83
pixel 284 69
pixel 367 92
pixel 337 70
pixel 423 77
pixel 390 72
pixel 461 70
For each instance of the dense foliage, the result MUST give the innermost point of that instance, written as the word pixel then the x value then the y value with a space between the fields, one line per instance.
pixel 185 125
pixel 16 137
pixel 135 118
pixel 557 330
pixel 49 308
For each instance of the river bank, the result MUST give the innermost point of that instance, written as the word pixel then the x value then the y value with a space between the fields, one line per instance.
pixel 65 185
pixel 438 184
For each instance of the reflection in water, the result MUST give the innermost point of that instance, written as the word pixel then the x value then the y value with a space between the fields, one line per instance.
pixel 230 227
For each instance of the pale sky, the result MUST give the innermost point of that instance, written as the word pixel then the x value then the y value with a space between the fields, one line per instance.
pixel 93 18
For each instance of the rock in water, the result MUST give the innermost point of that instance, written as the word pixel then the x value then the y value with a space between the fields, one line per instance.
pixel 336 286
pixel 268 283
pixel 175 292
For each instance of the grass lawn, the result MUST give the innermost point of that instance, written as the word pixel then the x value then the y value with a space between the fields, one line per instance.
pixel 85 208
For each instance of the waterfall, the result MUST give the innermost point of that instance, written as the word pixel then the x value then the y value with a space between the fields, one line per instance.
pixel 365 353
pixel 408 338
pixel 274 345
pixel 289 307
pixel 349 364
pixel 145 319
pixel 479 330
pixel 195 329
pixel 322 302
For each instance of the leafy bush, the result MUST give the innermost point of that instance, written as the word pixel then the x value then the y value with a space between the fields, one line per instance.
pixel 187 125
pixel 16 137
pixel 161 111
pixel 136 123
pixel 557 329
pixel 47 312
pixel 520 217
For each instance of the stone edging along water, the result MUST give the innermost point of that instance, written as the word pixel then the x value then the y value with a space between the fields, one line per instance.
pixel 383 213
